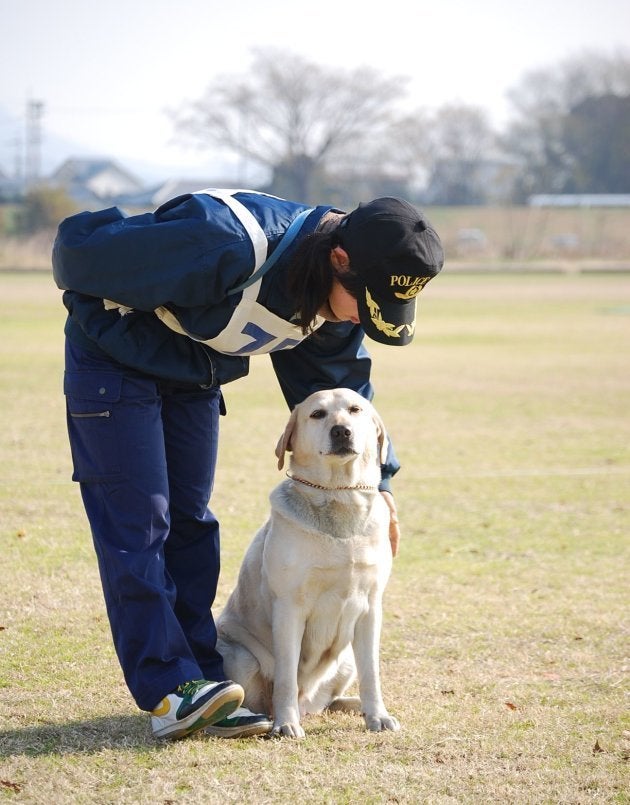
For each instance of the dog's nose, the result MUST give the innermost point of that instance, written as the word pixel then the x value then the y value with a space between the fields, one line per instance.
pixel 340 433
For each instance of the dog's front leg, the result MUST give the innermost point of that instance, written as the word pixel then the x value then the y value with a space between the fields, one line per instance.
pixel 366 646
pixel 288 631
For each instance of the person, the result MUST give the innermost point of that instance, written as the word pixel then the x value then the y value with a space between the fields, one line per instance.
pixel 164 309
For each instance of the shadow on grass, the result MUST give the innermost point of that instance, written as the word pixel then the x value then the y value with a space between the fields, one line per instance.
pixel 130 732
pixel 119 732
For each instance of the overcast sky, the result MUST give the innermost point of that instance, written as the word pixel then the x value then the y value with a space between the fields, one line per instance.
pixel 107 72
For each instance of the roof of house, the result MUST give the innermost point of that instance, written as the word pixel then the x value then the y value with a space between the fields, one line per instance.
pixel 81 170
pixel 95 181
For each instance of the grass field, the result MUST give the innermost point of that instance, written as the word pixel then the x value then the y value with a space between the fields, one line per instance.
pixel 504 651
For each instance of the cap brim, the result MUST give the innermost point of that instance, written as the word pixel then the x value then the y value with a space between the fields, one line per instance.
pixel 390 323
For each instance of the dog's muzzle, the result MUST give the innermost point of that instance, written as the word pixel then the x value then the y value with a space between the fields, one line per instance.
pixel 341 440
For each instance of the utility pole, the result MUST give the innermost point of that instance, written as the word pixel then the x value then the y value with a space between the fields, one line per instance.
pixel 33 152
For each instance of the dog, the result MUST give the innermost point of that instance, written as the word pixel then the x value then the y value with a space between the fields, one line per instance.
pixel 304 619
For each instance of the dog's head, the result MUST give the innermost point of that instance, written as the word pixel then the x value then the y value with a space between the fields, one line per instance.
pixel 338 425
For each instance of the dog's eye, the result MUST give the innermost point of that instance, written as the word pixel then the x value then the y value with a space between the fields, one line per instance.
pixel 355 409
pixel 318 413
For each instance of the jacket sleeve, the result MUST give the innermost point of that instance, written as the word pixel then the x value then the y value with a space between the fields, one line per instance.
pixel 188 252
pixel 334 356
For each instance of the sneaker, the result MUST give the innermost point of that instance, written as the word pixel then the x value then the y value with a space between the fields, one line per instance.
pixel 193 706
pixel 242 723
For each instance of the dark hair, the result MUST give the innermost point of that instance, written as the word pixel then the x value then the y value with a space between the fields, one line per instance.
pixel 311 277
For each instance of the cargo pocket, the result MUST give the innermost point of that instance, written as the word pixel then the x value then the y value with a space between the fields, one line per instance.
pixel 92 427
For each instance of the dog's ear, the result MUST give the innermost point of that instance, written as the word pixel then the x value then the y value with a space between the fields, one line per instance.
pixel 284 443
pixel 381 435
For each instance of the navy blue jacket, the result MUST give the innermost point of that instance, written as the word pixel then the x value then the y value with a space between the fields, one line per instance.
pixel 186 256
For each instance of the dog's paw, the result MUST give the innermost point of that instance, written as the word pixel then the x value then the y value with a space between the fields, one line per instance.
pixel 380 723
pixel 287 730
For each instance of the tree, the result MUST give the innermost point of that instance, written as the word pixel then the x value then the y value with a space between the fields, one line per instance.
pixel 408 150
pixel 597 139
pixel 445 152
pixel 463 142
pixel 43 208
pixel 538 134
pixel 294 118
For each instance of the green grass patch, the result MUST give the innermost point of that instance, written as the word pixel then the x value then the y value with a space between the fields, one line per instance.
pixel 503 649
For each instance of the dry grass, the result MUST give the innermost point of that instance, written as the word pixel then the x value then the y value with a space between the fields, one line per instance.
pixel 534 234
pixel 503 647
pixel 556 238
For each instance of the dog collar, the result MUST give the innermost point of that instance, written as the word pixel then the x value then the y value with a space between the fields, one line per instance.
pixel 363 487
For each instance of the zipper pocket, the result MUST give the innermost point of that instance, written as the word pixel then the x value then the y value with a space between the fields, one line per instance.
pixel 89 416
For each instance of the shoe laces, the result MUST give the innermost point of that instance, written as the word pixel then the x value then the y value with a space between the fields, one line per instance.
pixel 191 687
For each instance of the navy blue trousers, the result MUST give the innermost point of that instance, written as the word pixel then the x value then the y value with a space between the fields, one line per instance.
pixel 144 453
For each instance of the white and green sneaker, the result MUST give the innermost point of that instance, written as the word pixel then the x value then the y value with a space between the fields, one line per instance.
pixel 193 706
pixel 242 723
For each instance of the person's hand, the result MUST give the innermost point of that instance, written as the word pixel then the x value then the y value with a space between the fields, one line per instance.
pixel 394 528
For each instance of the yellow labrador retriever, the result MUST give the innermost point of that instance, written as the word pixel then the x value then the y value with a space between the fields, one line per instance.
pixel 305 617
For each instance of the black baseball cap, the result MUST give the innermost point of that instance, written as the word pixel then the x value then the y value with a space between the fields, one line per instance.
pixel 395 251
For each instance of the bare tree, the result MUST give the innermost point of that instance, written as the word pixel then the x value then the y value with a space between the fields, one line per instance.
pixel 446 151
pixel 463 142
pixel 408 150
pixel 543 102
pixel 293 117
pixel 597 137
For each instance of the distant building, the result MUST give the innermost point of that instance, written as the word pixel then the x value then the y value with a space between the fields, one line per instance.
pixel 152 197
pixel 178 187
pixel 95 181
pixel 580 200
